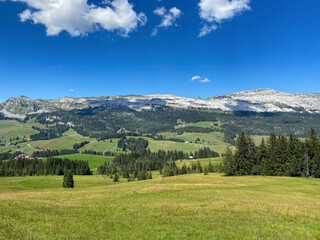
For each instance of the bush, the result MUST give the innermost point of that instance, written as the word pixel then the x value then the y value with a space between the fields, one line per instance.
pixel 68 181
pixel 116 177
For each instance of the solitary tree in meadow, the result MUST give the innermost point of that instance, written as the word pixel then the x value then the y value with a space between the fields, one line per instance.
pixel 68 181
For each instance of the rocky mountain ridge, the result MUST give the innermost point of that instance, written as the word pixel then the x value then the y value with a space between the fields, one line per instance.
pixel 260 100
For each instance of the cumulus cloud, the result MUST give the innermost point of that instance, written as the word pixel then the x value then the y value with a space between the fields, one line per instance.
pixel 214 12
pixel 168 18
pixel 197 77
pixel 200 79
pixel 79 18
pixel 205 80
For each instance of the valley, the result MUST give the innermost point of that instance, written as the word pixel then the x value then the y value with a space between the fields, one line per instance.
pixel 161 168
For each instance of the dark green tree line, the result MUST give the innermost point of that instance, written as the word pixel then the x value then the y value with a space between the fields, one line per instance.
pixel 278 156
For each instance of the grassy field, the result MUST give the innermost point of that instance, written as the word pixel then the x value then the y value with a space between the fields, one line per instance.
pixel 109 145
pixel 94 161
pixel 212 140
pixel 181 207
pixel 12 129
pixel 205 124
pixel 204 162
pixel 65 142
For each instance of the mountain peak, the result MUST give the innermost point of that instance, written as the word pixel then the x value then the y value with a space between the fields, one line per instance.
pixel 259 100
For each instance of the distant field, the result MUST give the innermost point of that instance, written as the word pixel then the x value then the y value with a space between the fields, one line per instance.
pixel 94 161
pixel 206 124
pixel 257 139
pixel 212 140
pixel 65 142
pixel 102 146
pixel 12 129
pixel 181 207
pixel 204 162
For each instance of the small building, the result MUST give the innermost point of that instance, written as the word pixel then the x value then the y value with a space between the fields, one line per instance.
pixel 25 156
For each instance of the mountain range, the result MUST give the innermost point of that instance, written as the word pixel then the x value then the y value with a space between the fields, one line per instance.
pixel 260 100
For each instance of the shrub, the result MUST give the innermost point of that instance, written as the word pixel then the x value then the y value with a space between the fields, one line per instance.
pixel 68 181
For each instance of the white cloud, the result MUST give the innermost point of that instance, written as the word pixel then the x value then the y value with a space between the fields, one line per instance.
pixel 206 80
pixel 200 79
pixel 197 77
pixel 160 11
pixel 78 18
pixel 215 11
pixel 168 18
pixel 72 90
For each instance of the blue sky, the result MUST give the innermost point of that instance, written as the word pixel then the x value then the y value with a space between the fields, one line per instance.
pixel 255 44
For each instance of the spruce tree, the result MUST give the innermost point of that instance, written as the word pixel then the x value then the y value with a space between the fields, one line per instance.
pixel 68 181
pixel 184 169
pixel 313 147
pixel 116 177
pixel 281 156
pixel 205 171
pixel 262 154
pixel 210 167
pixel 199 167
pixel 229 163
pixel 295 156
pixel 245 154
pixel 295 167
pixel 269 162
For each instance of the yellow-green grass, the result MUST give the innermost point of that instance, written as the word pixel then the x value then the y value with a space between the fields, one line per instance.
pixel 204 162
pixel 212 140
pixel 205 124
pixel 181 207
pixel 12 129
pixel 67 141
pixel 94 161
pixel 258 138
pixel 102 146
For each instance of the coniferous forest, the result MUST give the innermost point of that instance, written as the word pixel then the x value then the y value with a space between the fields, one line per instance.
pixel 277 156
pixel 51 166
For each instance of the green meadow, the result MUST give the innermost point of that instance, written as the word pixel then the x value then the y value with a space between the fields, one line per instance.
pixel 181 207
pixel 94 161
pixel 204 162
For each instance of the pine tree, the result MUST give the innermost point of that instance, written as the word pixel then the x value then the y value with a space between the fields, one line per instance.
pixel 68 181
pixel 316 164
pixel 262 154
pixel 295 167
pixel 295 156
pixel 184 169
pixel 269 162
pixel 199 167
pixel 210 167
pixel 229 163
pixel 281 157
pixel 116 177
pixel 245 155
pixel 313 147
pixel 205 171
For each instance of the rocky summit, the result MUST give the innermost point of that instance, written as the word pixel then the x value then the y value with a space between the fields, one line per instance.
pixel 260 100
